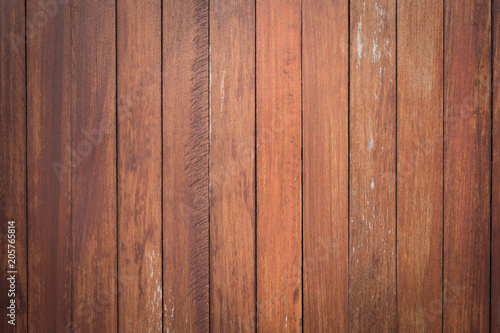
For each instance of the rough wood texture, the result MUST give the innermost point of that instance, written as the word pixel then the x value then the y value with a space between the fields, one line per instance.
pixel 139 165
pixel 495 251
pixel 232 166
pixel 420 165
pixel 372 221
pixel 185 166
pixel 325 70
pixel 467 166
pixel 279 169
pixel 13 158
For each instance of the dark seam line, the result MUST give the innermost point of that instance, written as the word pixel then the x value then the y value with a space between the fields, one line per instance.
pixel 208 170
pixel 161 168
pixel 349 155
pixel 26 158
pixel 396 171
pixel 255 159
pixel 117 178
pixel 444 169
pixel 302 158
pixel 492 41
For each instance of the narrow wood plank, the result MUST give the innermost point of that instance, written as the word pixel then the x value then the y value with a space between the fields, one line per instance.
pixel 420 165
pixel 279 169
pixel 232 166
pixel 372 221
pixel 94 197
pixel 49 167
pixel 185 166
pixel 467 158
pixel 139 165
pixel 325 72
pixel 13 162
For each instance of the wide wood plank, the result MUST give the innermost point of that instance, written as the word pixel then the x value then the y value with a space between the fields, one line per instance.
pixel 467 171
pixel 185 166
pixel 325 72
pixel 420 165
pixel 372 197
pixel 232 166
pixel 139 165
pixel 279 169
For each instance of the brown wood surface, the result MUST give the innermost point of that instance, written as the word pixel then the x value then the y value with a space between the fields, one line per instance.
pixel 372 201
pixel 13 204
pixel 139 165
pixel 420 165
pixel 467 157
pixel 279 169
pixel 325 73
pixel 185 166
pixel 232 166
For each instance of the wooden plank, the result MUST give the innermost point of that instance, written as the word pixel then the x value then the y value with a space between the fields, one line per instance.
pixel 372 221
pixel 13 162
pixel 94 197
pixel 420 165
pixel 232 166
pixel 325 72
pixel 185 166
pixel 49 167
pixel 279 169
pixel 139 165
pixel 467 170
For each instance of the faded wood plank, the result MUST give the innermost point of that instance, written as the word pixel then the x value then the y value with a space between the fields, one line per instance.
pixel 467 166
pixel 139 165
pixel 420 165
pixel 372 221
pixel 232 165
pixel 279 169
pixel 325 72
pixel 185 166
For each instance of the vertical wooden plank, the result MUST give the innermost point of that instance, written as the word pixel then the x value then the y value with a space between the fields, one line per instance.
pixel 279 169
pixel 49 166
pixel 420 165
pixel 372 244
pixel 232 165
pixel 94 199
pixel 325 72
pixel 139 165
pixel 13 161
pixel 495 206
pixel 467 165
pixel 185 166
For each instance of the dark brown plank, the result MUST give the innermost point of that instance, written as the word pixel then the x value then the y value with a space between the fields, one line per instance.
pixel 49 167
pixel 139 165
pixel 185 166
pixel 232 166
pixel 13 162
pixel 372 220
pixel 420 165
pixel 467 172
pixel 94 197
pixel 325 72
pixel 279 169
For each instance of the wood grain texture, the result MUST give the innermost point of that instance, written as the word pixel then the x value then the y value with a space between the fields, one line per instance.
pixel 372 221
pixel 232 166
pixel 93 142
pixel 325 73
pixel 49 167
pixel 13 204
pixel 185 166
pixel 467 166
pixel 420 165
pixel 279 166
pixel 139 165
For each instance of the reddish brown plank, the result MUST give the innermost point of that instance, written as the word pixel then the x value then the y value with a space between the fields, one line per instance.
pixel 372 220
pixel 232 166
pixel 279 170
pixel 467 170
pixel 139 165
pixel 93 142
pixel 325 72
pixel 13 164
pixel 49 167
pixel 420 165
pixel 185 166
